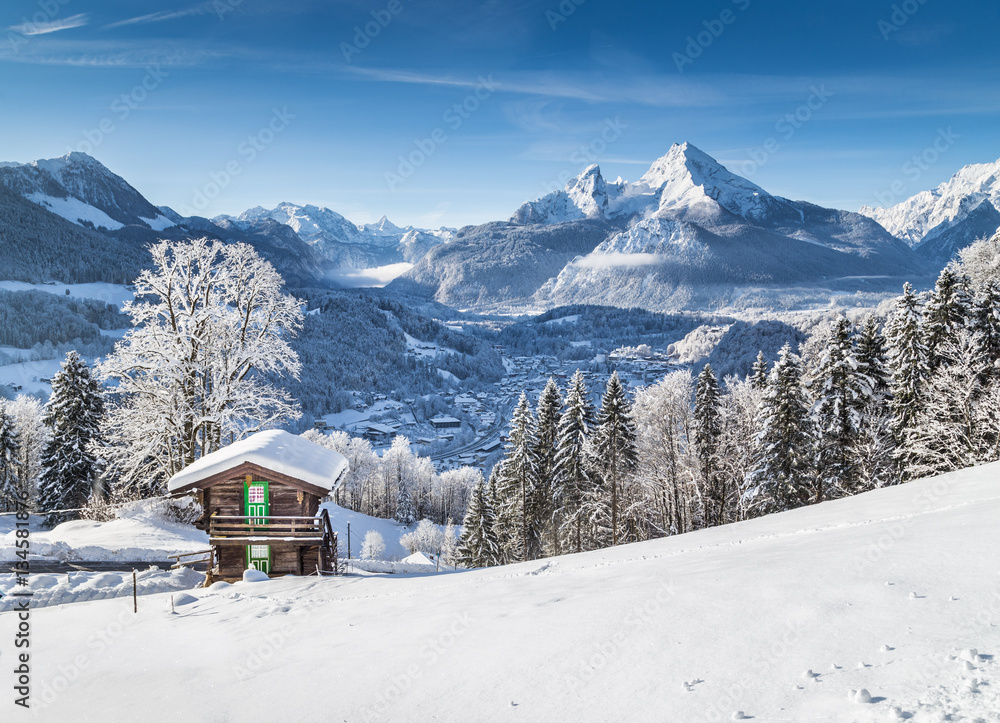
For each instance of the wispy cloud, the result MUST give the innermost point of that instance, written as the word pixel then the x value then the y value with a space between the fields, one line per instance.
pixel 616 259
pixel 52 26
pixel 163 15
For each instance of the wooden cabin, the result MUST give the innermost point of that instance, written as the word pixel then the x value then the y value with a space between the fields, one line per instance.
pixel 261 499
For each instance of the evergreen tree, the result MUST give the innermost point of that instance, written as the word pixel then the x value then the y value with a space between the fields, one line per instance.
pixel 946 432
pixel 907 362
pixel 478 546
pixel 70 466
pixel 707 433
pixel 872 360
pixel 945 314
pixel 405 513
pixel 782 478
pixel 759 375
pixel 841 393
pixel 615 457
pixel 573 483
pixel 547 426
pixel 986 323
pixel 874 447
pixel 516 513
pixel 10 487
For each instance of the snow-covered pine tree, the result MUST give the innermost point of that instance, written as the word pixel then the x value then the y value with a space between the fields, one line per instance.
pixel 405 512
pixel 614 458
pixel 514 504
pixel 758 377
pixel 986 323
pixel 872 359
pixel 572 476
pixel 907 362
pixel 945 434
pixel 873 449
pixel 547 425
pixel 783 477
pixel 478 545
pixel 70 465
pixel 841 392
pixel 10 488
pixel 945 314
pixel 707 434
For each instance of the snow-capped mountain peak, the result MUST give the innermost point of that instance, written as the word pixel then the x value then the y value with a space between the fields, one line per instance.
pixel 691 183
pixel 686 183
pixel 81 189
pixel 587 195
pixel 933 213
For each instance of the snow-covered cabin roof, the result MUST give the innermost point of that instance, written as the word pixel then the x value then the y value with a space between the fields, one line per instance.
pixel 276 450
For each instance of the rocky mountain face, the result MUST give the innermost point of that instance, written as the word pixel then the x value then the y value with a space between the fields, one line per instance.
pixel 939 222
pixel 687 234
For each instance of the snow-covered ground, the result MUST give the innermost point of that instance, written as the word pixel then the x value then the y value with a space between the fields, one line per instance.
pixel 360 524
pixel 140 534
pixel 109 293
pixel 73 587
pixel 28 375
pixel 787 618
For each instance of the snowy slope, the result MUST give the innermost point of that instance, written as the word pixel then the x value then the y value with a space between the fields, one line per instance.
pixel 80 188
pixel 944 207
pixel 784 618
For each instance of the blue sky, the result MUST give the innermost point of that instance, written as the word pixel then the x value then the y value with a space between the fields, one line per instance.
pixel 221 105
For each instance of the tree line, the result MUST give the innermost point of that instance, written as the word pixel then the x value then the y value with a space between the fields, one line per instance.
pixel 858 406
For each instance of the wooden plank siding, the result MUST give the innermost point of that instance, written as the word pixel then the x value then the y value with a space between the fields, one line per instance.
pixel 225 496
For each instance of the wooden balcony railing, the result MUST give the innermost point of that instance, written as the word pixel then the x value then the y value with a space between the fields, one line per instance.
pixel 230 528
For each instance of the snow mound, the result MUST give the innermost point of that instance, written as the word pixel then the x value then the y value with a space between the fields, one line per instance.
pixel 63 588
pixel 255 576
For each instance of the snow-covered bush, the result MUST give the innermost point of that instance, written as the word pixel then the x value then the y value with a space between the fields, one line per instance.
pixel 427 537
pixel 183 510
pixel 373 546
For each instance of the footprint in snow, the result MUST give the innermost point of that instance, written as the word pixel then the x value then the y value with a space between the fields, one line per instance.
pixel 886 648
pixel 914 596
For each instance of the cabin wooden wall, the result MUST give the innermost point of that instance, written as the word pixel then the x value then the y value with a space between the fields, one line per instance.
pixel 228 498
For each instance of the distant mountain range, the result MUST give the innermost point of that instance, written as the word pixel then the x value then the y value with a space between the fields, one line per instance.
pixel 939 222
pixel 688 234
pixel 306 243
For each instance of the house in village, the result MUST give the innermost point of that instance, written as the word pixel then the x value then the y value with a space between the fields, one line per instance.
pixel 445 423
pixel 261 499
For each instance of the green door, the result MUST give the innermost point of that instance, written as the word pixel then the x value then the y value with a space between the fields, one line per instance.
pixel 258 506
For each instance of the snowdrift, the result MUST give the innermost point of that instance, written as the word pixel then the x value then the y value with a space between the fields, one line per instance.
pixel 880 607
